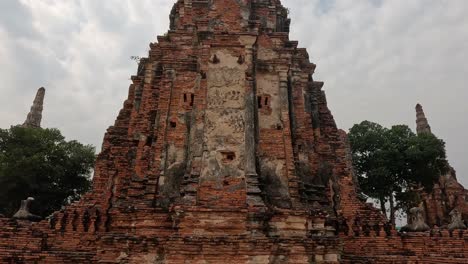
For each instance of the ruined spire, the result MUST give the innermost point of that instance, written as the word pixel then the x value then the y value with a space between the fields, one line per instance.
pixel 35 115
pixel 422 126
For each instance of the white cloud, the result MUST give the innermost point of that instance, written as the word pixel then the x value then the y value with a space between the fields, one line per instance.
pixel 378 58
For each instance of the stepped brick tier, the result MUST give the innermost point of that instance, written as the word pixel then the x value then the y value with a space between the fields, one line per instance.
pixel 224 152
pixel 448 194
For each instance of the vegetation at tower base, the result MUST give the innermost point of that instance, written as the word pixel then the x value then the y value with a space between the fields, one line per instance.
pixel 40 163
pixel 394 165
pixel 224 152
pixel 448 197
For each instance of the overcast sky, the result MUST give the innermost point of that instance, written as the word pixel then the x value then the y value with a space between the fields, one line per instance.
pixel 378 58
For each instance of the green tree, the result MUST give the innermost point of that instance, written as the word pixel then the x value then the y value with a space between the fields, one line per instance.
pixel 394 165
pixel 40 163
pixel 426 154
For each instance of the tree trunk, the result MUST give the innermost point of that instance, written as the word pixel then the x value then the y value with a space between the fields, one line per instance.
pixel 382 206
pixel 392 210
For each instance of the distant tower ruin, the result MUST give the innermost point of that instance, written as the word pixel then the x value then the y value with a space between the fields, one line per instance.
pixel 448 194
pixel 422 125
pixel 35 115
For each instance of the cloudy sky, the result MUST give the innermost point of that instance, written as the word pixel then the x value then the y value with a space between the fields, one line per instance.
pixel 378 58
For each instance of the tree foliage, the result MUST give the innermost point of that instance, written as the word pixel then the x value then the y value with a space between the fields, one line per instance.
pixel 394 164
pixel 39 163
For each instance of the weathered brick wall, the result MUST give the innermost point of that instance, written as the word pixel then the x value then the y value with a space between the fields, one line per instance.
pixel 371 246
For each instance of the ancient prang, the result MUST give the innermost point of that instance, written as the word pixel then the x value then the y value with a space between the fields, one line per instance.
pixel 422 125
pixel 34 117
pixel 448 194
pixel 224 152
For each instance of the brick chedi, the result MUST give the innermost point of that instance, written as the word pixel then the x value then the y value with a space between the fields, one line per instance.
pixel 224 152
pixel 216 156
pixel 448 194
pixel 35 114
pixel 422 125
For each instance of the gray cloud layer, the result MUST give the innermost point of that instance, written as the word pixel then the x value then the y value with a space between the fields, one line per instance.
pixel 378 58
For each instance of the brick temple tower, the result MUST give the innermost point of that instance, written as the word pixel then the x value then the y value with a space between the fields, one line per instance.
pixel 225 141
pixel 422 125
pixel 448 194
pixel 223 136
pixel 224 152
pixel 35 114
